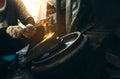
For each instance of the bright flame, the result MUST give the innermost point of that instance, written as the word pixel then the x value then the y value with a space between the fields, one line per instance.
pixel 47 36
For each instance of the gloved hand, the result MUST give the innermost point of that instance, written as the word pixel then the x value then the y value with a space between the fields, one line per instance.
pixel 14 31
pixel 28 31
pixel 19 32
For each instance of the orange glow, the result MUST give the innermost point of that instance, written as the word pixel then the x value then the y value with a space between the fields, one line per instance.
pixel 47 36
pixel 43 22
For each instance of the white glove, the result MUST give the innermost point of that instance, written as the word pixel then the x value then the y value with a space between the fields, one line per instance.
pixel 28 31
pixel 14 31
pixel 19 32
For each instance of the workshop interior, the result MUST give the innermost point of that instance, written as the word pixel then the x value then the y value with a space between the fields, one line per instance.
pixel 81 41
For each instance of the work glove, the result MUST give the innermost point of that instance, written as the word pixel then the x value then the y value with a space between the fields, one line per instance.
pixel 28 31
pixel 14 31
pixel 19 32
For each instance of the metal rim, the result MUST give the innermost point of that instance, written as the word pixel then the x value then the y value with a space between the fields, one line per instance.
pixel 68 42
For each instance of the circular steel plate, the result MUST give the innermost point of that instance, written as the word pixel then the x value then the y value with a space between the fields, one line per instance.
pixel 73 42
pixel 68 40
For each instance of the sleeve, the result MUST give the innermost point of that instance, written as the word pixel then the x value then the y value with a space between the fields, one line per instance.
pixel 23 14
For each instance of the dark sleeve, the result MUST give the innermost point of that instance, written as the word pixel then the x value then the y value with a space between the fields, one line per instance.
pixel 23 14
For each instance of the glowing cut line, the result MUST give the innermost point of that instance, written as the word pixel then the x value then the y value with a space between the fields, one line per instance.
pixel 47 37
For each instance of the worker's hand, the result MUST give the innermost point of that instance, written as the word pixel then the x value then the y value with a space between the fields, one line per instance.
pixel 14 31
pixel 19 32
pixel 29 31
